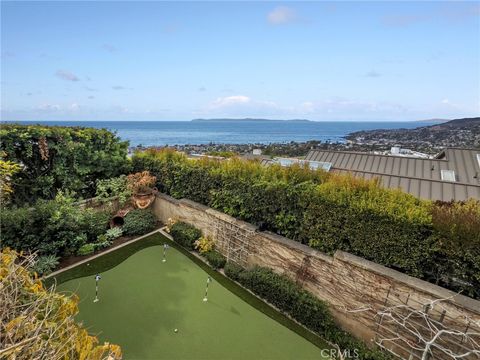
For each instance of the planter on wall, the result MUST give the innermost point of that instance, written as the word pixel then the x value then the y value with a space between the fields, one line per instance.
pixel 144 199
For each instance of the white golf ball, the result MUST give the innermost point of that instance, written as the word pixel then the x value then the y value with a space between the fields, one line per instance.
pixel 176 330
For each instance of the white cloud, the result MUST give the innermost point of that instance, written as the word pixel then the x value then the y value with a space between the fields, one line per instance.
pixel 229 101
pixel 281 15
pixel 49 107
pixel 74 107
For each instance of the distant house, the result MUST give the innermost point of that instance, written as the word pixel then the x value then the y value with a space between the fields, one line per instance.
pixel 454 174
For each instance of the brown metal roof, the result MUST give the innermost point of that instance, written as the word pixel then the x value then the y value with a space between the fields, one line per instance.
pixel 419 177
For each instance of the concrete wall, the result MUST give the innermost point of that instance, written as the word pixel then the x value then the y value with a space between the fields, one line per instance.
pixel 355 288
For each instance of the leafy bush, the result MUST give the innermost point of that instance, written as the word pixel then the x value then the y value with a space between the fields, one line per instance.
pixel 42 318
pixel 331 212
pixel 57 157
pixel 233 271
pixel 55 227
pixel 301 305
pixel 86 249
pixel 204 244
pixel 117 186
pixel 114 233
pixel 185 234
pixel 102 242
pixel 7 170
pixel 139 222
pixel 215 259
pixel 45 264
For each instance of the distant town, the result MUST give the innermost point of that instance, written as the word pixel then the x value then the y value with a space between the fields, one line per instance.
pixel 423 141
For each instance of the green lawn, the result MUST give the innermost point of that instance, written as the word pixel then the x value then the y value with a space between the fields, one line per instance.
pixel 143 300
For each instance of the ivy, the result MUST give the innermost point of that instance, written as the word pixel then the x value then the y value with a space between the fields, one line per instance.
pixel 54 158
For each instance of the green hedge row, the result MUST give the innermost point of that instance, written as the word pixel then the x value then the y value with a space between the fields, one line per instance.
pixel 331 212
pixel 56 157
pixel 185 234
pixel 139 222
pixel 301 305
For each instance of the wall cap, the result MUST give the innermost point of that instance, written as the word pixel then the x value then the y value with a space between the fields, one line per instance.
pixel 415 283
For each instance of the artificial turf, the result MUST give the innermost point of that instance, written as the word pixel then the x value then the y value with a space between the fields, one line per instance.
pixel 143 300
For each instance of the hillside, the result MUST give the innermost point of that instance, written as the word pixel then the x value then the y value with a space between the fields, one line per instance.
pixel 455 133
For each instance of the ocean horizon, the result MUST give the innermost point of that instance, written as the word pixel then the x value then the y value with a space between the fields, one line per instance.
pixel 245 131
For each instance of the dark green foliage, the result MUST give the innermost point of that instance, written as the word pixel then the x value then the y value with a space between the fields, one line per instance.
pixel 139 222
pixel 55 227
pixel 233 271
pixel 301 305
pixel 44 265
pixel 215 259
pixel 86 249
pixel 67 158
pixel 330 212
pixel 185 234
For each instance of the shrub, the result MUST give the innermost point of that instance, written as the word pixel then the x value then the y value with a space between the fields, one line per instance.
pixel 233 271
pixel 331 212
pixel 71 159
pixel 114 233
pixel 86 249
pixel 45 264
pixel 204 244
pixel 215 259
pixel 7 170
pixel 30 311
pixel 55 227
pixel 185 234
pixel 140 182
pixel 139 222
pixel 114 187
pixel 102 242
pixel 301 305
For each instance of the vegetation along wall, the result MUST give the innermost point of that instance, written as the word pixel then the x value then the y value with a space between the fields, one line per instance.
pixel 437 242
pixel 367 299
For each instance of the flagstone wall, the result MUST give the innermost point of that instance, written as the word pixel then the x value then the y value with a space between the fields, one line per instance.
pixel 356 289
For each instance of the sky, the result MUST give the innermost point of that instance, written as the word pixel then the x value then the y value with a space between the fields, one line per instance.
pixel 119 60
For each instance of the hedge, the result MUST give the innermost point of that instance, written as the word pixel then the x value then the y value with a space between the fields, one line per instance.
pixel 57 157
pixel 139 222
pixel 301 305
pixel 333 212
pixel 215 259
pixel 185 234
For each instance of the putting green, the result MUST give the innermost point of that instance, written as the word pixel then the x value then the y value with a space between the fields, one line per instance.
pixel 143 300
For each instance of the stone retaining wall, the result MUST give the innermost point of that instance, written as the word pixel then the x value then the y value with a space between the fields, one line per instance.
pixel 355 288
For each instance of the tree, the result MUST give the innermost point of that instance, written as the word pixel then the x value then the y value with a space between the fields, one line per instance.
pixel 56 157
pixel 38 323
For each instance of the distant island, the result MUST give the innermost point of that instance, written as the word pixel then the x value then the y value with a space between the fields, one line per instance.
pixel 253 119
pixel 463 133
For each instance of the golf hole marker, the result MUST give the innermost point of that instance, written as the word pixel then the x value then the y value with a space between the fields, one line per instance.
pixel 97 278
pixel 209 280
pixel 165 247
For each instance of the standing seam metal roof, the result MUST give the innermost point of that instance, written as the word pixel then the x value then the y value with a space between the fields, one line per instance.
pixel 417 176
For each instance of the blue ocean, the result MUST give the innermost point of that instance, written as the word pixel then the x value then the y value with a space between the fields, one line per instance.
pixel 150 133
